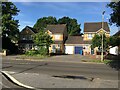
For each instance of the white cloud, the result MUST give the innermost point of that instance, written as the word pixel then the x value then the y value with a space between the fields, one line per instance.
pixel 27 22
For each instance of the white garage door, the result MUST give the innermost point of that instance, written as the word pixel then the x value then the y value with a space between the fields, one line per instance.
pixel 69 49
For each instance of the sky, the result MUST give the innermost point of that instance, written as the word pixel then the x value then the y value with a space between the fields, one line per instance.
pixel 30 12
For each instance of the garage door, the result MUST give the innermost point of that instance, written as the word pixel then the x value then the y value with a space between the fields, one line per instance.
pixel 78 50
pixel 69 49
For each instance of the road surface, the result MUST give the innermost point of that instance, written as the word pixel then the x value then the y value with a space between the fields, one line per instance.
pixel 101 71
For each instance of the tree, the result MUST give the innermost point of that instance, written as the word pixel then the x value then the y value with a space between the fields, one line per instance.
pixel 9 24
pixel 43 22
pixel 72 26
pixel 115 15
pixel 97 39
pixel 114 41
pixel 43 40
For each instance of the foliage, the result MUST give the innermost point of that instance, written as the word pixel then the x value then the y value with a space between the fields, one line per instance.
pixel 7 44
pixel 114 41
pixel 98 61
pixel 43 51
pixel 9 24
pixel 115 15
pixel 43 22
pixel 97 39
pixel 43 40
pixel 72 26
pixel 31 52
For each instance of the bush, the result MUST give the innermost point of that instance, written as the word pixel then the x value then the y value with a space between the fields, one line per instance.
pixel 31 52
pixel 42 51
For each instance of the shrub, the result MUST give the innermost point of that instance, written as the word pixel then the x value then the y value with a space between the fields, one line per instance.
pixel 31 52
pixel 42 51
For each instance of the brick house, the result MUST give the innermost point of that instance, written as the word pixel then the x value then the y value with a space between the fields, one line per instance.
pixel 59 35
pixel 64 43
pixel 90 29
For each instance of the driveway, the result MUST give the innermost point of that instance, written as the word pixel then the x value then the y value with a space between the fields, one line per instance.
pixel 75 57
pixel 61 58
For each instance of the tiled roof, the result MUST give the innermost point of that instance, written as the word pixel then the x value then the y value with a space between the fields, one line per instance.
pixel 56 28
pixel 95 26
pixel 29 28
pixel 87 42
pixel 74 40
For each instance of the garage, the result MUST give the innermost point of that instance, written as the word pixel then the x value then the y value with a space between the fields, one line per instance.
pixel 74 45
pixel 69 49
pixel 78 50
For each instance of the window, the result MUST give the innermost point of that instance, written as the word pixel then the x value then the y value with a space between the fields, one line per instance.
pixel 26 37
pixel 57 37
pixel 58 45
pixel 23 37
pixel 53 46
pixel 90 36
pixel 30 46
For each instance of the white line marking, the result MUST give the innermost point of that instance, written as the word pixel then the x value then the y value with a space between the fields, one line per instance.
pixel 17 82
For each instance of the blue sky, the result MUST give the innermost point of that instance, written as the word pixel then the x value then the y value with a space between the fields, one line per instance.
pixel 82 11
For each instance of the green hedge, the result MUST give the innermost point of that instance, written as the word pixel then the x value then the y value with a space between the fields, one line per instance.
pixel 41 51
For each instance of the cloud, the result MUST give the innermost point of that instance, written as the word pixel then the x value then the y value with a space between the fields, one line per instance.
pixel 27 22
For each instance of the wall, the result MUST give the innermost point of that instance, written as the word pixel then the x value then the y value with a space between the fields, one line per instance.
pixel 51 50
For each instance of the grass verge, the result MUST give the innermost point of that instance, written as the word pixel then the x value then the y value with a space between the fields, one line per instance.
pixel 98 61
pixel 37 56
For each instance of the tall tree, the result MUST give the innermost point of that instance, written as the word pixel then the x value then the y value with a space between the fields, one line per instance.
pixel 9 24
pixel 43 22
pixel 72 26
pixel 42 40
pixel 115 15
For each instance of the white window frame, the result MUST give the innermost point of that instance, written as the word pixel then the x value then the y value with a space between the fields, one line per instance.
pixel 90 36
pixel 57 37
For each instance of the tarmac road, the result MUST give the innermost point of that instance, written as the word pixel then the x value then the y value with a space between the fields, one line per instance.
pixel 61 68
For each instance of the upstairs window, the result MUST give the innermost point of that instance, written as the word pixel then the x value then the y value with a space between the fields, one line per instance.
pixel 57 37
pixel 90 36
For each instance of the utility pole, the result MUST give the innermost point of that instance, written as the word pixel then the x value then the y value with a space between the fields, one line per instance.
pixel 102 36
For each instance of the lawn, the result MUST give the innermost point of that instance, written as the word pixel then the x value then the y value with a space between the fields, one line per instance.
pixel 98 61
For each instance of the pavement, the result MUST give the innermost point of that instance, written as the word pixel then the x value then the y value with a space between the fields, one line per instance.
pixel 40 81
